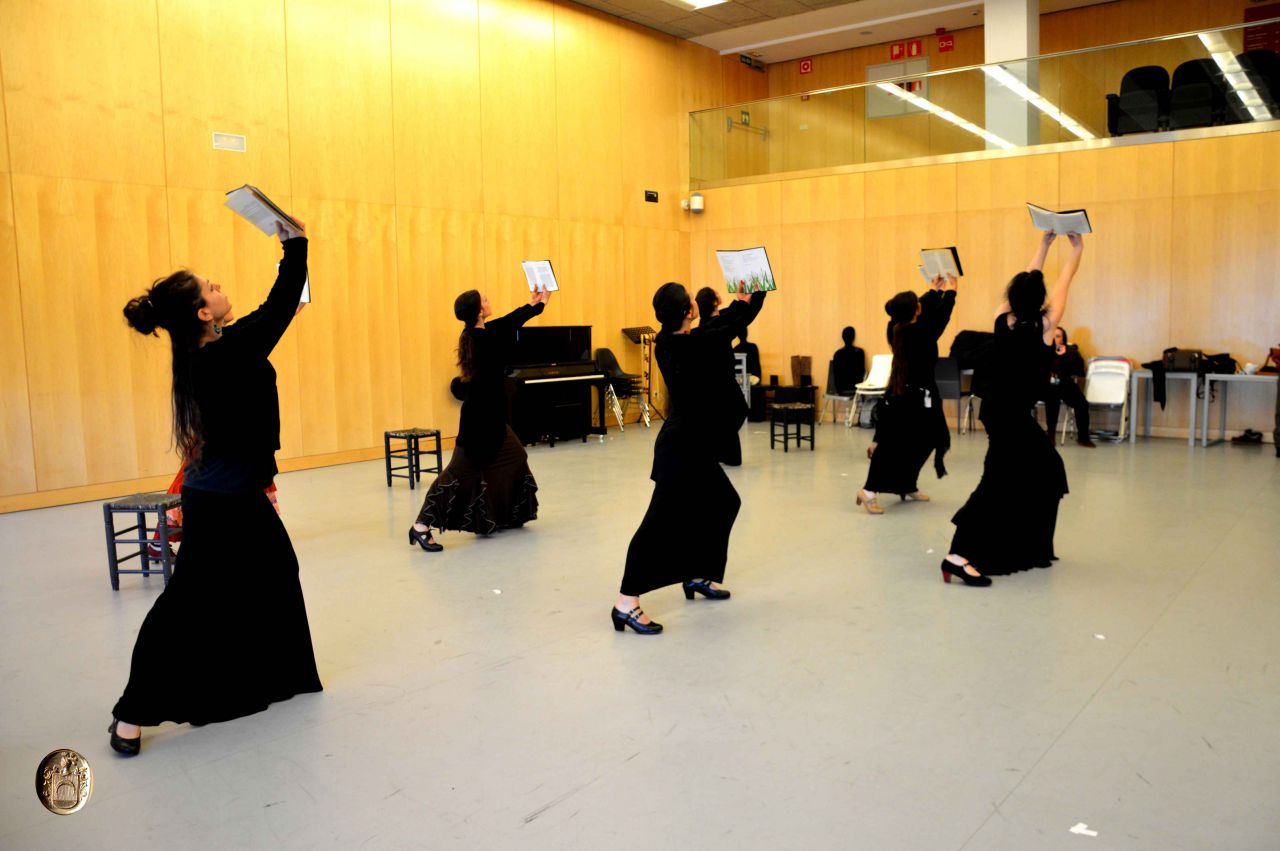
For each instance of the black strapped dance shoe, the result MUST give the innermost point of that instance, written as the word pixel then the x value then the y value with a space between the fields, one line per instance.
pixel 949 570
pixel 632 619
pixel 423 539
pixel 128 747
pixel 703 587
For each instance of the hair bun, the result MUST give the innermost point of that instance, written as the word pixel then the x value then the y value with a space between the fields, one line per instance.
pixel 141 314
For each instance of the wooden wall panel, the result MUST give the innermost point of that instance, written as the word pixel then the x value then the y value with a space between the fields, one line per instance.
pixel 821 285
pixel 507 241
pixel 698 87
pixel 742 84
pixel 82 89
pixel 17 454
pixel 435 63
pixel 1007 183
pixel 823 199
pixel 592 265
pixel 589 119
pixel 349 338
pixel 911 191
pixel 224 70
pixel 891 257
pixel 518 110
pixel 650 119
pixel 340 120
pixel 4 135
pixel 100 408
pixel 215 243
pixel 441 254
pixel 1238 164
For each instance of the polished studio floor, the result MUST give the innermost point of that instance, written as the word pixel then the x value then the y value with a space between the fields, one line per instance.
pixel 844 698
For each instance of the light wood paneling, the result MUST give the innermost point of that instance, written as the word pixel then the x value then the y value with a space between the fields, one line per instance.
pixel 518 109
pixel 822 281
pixel 589 114
pixel 1117 174
pixel 340 121
pixel 17 454
pixel 441 254
pixel 650 121
pixel 741 206
pixel 823 199
pixel 741 83
pixel 995 244
pixel 224 70
pixel 100 394
pixel 82 89
pixel 1239 164
pixel 4 135
pixel 891 259
pixel 212 241
pixel 349 338
pixel 436 87
pixel 911 191
pixel 592 258
pixel 996 184
pixel 698 87
pixel 509 240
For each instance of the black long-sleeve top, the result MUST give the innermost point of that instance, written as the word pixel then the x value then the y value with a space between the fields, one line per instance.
pixel 482 423
pixel 1067 365
pixel 920 338
pixel 850 366
pixel 705 400
pixel 235 389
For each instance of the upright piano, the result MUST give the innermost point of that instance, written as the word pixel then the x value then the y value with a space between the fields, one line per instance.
pixel 549 385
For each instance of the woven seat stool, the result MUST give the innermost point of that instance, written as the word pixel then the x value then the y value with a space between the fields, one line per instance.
pixel 787 414
pixel 410 453
pixel 140 505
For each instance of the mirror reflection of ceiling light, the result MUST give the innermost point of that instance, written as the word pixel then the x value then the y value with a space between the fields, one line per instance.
pixel 1001 75
pixel 1236 76
pixel 701 4
pixel 945 114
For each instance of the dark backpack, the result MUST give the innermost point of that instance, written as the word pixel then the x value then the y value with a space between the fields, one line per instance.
pixel 976 350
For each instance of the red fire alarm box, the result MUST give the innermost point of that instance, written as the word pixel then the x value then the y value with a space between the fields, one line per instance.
pixel 806 66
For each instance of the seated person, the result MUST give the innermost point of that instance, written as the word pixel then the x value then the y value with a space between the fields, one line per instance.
pixel 1066 367
pixel 708 304
pixel 850 364
pixel 756 413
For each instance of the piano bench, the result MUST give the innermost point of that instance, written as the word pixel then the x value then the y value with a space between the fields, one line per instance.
pixel 410 453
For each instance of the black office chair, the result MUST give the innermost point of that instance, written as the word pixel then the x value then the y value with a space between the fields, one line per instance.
pixel 953 385
pixel 1143 103
pixel 622 388
pixel 1198 95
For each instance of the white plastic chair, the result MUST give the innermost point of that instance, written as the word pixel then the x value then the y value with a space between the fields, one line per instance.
pixel 1106 385
pixel 876 384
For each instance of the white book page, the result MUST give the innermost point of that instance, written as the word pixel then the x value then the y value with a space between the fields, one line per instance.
pixel 746 270
pixel 540 276
pixel 1059 223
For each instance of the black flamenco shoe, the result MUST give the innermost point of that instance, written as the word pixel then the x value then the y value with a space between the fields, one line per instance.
pixel 703 587
pixel 632 619
pixel 128 747
pixel 949 570
pixel 423 539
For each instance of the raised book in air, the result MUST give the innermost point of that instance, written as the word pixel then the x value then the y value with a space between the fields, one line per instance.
pixel 940 262
pixel 540 276
pixel 746 270
pixel 252 204
pixel 1066 221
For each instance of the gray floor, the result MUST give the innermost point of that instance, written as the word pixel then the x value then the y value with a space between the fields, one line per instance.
pixel 845 698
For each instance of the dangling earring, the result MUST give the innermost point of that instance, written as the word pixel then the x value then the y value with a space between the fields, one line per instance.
pixel 217 329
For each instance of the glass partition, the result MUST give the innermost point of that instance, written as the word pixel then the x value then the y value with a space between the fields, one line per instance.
pixel 1221 77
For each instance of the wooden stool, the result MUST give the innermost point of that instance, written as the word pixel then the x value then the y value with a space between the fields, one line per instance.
pixel 140 505
pixel 786 414
pixel 410 452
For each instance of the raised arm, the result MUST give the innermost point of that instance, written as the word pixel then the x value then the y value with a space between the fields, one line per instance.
pixel 1058 298
pixel 1036 265
pixel 520 315
pixel 732 319
pixel 936 307
pixel 263 328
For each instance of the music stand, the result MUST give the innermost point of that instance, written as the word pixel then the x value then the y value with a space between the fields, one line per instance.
pixel 644 335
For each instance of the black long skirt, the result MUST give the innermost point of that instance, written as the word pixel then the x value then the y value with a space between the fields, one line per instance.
pixel 906 435
pixel 229 635
pixel 468 497
pixel 1008 523
pixel 685 532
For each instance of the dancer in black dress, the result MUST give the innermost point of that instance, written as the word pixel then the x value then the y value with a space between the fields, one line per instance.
pixel 229 635
pixel 689 486
pixel 910 423
pixel 1008 523
pixel 487 485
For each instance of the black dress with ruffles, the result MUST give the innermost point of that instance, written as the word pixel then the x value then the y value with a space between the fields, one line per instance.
pixel 487 484
pixel 1008 523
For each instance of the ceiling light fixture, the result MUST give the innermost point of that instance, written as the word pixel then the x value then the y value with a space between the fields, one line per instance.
pixel 1236 76
pixel 702 4
pixel 945 115
pixel 1002 76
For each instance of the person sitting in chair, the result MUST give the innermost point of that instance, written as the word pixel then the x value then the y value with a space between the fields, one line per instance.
pixel 756 413
pixel 1065 367
pixel 850 363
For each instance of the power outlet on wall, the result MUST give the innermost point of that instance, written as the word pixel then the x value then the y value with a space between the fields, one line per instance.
pixel 651 196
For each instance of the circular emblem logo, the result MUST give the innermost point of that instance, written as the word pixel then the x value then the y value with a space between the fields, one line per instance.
pixel 64 782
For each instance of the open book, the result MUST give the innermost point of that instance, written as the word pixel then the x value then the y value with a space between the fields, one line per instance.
pixel 747 270
pixel 937 262
pixel 259 210
pixel 1067 221
pixel 540 275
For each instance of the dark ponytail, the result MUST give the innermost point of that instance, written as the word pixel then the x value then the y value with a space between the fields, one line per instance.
pixel 172 303
pixel 902 311
pixel 466 308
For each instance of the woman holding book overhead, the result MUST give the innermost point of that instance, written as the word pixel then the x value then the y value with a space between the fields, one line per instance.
pixel 1007 525
pixel 214 648
pixel 689 485
pixel 910 424
pixel 487 485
